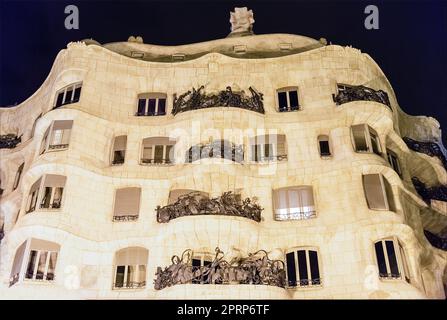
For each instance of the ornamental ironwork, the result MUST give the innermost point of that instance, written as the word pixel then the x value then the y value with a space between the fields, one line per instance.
pixel 256 269
pixel 216 149
pixel 430 193
pixel 360 93
pixel 436 241
pixel 9 141
pixel 196 203
pixel 198 99
pixel 431 149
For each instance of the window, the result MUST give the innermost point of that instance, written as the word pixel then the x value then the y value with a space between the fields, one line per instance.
pixel 52 186
pixel 294 203
pixel 157 150
pixel 378 192
pixel 199 262
pixel 32 196
pixel 33 129
pixel 391 260
pixel 53 189
pixel 130 268
pixel 268 148
pixel 35 259
pixel 18 175
pixel 57 136
pixel 323 146
pixel 365 139
pixel 127 204
pixel 151 104
pixel 288 99
pixel 394 161
pixel 303 268
pixel 67 95
pixel 119 150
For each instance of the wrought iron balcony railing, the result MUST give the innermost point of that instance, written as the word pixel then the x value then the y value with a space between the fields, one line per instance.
pixel 150 114
pixel 197 99
pixel 256 269
pixel 279 157
pixel 57 146
pixel 360 93
pixel 195 203
pixel 430 193
pixel 129 285
pixel 431 149
pixel 9 141
pixel 305 283
pixel 436 241
pixel 156 161
pixel 128 217
pixel 216 149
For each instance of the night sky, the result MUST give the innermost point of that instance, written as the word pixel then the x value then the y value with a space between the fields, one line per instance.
pixel 410 46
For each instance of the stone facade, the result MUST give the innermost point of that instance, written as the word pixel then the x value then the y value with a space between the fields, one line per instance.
pixel 343 232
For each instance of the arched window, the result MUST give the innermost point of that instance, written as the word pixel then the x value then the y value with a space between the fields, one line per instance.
pixel 157 150
pixel 365 139
pixel 378 192
pixel 303 269
pixel 391 260
pixel 270 147
pixel 288 99
pixel 323 146
pixel 127 204
pixel 68 94
pixel 119 150
pixel 294 203
pixel 151 104
pixel 57 136
pixel 130 268
pixel 35 260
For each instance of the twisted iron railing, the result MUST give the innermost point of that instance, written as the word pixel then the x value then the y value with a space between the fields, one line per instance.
pixel 256 269
pixel 360 93
pixel 430 193
pixel 436 241
pixel 431 149
pixel 195 203
pixel 9 141
pixel 216 149
pixel 197 99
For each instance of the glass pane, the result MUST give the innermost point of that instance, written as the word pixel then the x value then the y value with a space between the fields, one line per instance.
pixel 31 264
pixel 324 148
pixel 77 94
pixel 314 268
pixel 161 106
pixel 281 204
pixel 294 203
pixel 158 156
pixel 302 266
pixel 375 143
pixel 118 156
pixel 392 259
pixel 51 266
pixel 57 197
pixel 380 255
pixel 293 98
pixel 57 137
pixel 60 99
pixel 291 269
pixel 141 275
pixel 41 267
pixel 141 107
pixel 254 152
pixel 168 155
pixel 147 153
pixel 268 151
pixel 151 107
pixel 130 281
pixel 46 198
pixel 282 101
pixel 68 96
pixel 119 278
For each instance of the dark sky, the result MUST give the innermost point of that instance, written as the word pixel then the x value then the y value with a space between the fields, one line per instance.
pixel 410 46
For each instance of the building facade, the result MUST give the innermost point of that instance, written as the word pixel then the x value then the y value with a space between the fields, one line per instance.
pixel 253 167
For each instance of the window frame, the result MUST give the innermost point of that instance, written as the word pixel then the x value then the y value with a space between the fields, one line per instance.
pixel 112 161
pixel 126 217
pixel 167 149
pixel 157 96
pixel 141 284
pixel 287 90
pixel 385 194
pixel 401 259
pixel 310 284
pixel 39 195
pixel 319 140
pixel 367 132
pixel 48 145
pixel 259 144
pixel 391 155
pixel 64 90
pixel 36 265
pixel 313 214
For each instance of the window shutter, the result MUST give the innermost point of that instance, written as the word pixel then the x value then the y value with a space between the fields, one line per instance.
pixel 359 138
pixel 120 143
pixel 131 256
pixel 127 201
pixel 374 192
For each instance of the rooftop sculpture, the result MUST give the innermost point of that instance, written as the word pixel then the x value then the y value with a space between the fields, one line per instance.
pixel 241 21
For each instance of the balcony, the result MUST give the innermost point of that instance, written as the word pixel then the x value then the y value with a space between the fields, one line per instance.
pixel 196 203
pixel 436 241
pixel 216 149
pixel 430 193
pixel 360 93
pixel 125 218
pixel 9 141
pixel 156 161
pixel 431 149
pixel 198 99
pixel 256 269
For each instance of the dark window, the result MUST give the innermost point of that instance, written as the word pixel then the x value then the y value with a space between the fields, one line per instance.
pixel 302 266
pixel 60 99
pixel 324 148
pixel 392 259
pixel 291 269
pixel 31 264
pixel 141 107
pixel 151 106
pixel 77 94
pixel 380 255
pixel 161 107
pixel 46 198
pixel 293 97
pixel 158 154
pixel 68 96
pixel 119 279
pixel 314 268
pixel 118 157
pixel 282 100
